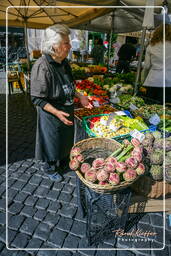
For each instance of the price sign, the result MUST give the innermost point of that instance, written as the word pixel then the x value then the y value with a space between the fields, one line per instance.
pixel 132 107
pixel 96 103
pixel 138 135
pixel 154 119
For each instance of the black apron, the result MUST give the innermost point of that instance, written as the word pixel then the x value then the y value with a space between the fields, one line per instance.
pixel 54 139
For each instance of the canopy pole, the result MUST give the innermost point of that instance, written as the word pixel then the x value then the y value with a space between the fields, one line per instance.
pixel 138 76
pixel 26 44
pixel 110 40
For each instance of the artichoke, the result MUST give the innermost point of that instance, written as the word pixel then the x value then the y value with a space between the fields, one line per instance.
pixel 156 172
pixel 158 144
pixel 168 144
pixel 157 135
pixel 149 136
pixel 168 173
pixel 156 157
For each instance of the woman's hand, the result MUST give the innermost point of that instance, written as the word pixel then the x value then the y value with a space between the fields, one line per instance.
pixel 58 113
pixel 85 102
pixel 62 116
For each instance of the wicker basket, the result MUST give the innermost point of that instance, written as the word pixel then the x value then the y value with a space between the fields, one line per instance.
pixel 99 147
pixel 146 186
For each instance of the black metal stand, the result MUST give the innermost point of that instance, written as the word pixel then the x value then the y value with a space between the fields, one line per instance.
pixel 105 213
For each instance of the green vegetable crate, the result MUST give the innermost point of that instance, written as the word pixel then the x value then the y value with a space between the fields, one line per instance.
pixel 87 120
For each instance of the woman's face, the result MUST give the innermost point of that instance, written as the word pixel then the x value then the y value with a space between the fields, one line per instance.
pixel 61 51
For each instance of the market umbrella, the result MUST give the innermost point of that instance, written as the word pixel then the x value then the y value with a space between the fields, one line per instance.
pixel 43 13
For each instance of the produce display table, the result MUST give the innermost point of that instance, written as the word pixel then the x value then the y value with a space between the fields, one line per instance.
pixel 105 213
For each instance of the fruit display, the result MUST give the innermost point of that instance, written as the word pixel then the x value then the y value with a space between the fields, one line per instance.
pixel 119 125
pixel 104 109
pixel 127 99
pixel 89 88
pixel 125 164
pixel 148 110
pixel 153 149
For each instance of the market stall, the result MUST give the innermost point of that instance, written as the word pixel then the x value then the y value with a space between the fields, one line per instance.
pixel 116 143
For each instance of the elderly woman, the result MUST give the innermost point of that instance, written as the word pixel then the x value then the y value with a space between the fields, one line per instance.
pixel 52 92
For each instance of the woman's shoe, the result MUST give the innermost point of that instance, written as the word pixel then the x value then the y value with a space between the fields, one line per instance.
pixel 55 177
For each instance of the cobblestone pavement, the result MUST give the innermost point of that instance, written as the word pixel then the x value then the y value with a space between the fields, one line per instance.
pixel 43 214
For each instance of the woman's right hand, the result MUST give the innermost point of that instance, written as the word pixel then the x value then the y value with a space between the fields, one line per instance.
pixel 62 116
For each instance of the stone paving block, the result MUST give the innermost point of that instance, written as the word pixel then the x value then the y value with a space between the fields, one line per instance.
pixel 54 207
pixel 49 252
pixel 20 241
pixel 67 211
pixel 157 219
pixel 36 165
pixel 24 177
pixel 35 180
pixel 13 168
pixel 11 235
pixel 83 244
pixel 3 234
pixel 103 253
pixel 7 252
pixel 29 189
pixel 31 201
pixel 64 224
pixel 63 197
pixel 68 189
pixel 66 179
pixel 56 238
pixel 42 203
pixel 15 175
pixel 47 183
pixel 41 192
pixel 72 181
pixel 29 226
pixel 15 222
pixel 20 197
pixel 28 211
pixel 127 253
pixel 12 193
pixel 15 208
pixel 10 182
pixel 42 231
pixel 74 201
pixel 168 227
pixel 64 253
pixel 75 193
pixel 34 243
pixel 164 252
pixel 27 164
pixel 2 170
pixel 2 191
pixel 31 170
pixel 145 219
pixel 2 218
pixel 159 240
pixel 79 216
pixel 71 241
pixel 53 195
pixel 51 219
pixel 78 229
pixel 40 215
pixel 58 186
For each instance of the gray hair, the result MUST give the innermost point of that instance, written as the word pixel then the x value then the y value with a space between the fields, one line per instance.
pixel 53 35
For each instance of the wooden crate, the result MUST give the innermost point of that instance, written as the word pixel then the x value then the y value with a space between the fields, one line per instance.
pixel 141 204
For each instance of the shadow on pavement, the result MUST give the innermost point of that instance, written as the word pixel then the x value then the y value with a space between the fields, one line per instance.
pixel 21 128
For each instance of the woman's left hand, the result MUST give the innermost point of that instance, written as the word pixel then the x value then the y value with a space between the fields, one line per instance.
pixel 85 102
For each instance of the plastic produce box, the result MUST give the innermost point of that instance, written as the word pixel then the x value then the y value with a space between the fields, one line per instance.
pixel 88 121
